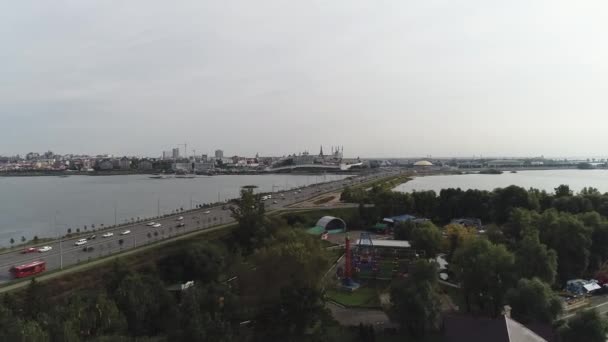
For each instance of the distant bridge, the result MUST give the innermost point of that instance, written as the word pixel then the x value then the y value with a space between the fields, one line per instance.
pixel 341 167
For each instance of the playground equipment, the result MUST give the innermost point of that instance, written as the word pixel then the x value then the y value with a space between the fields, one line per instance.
pixel 348 284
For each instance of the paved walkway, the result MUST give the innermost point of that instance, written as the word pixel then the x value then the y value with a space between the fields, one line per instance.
pixel 352 316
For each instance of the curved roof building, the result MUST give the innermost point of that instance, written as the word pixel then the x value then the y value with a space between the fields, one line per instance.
pixel 423 163
pixel 331 223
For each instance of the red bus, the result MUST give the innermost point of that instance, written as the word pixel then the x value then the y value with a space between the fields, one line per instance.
pixel 26 270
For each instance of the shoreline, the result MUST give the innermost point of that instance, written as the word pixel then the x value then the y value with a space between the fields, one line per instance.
pixel 154 173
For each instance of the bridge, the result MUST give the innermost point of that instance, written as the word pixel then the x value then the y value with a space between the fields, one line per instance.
pixel 341 167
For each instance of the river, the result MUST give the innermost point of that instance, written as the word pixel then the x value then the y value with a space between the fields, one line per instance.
pixel 545 180
pixel 47 206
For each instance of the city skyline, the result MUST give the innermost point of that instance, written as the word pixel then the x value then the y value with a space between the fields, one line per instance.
pixel 394 79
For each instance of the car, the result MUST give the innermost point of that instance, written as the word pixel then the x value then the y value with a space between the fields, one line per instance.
pixel 207 212
pixel 80 242
pixel 126 232
pixel 29 250
pixel 180 218
pixel 157 225
pixel 275 202
pixel 44 249
pixel 88 249
pixel 150 224
pixel 92 237
pixel 181 224
pixel 108 234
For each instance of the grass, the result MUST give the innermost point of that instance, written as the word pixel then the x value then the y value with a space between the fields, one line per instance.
pixel 364 297
pixel 324 200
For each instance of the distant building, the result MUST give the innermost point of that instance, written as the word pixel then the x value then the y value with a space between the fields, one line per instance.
pixel 166 155
pixel 204 158
pixel 145 165
pixel 423 164
pixel 175 153
pixel 505 163
pixel 124 163
pixel 219 154
pixel 105 164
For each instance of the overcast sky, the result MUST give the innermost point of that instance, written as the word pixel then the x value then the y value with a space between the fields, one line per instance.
pixel 382 78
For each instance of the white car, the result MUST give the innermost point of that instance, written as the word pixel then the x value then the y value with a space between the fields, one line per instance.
pixel 180 218
pixel 80 242
pixel 207 212
pixel 108 234
pixel 125 232
pixel 44 249
pixel 156 225
pixel 150 224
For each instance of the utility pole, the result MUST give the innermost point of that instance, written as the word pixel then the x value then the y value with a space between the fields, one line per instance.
pixel 158 207
pixel 190 201
pixel 115 215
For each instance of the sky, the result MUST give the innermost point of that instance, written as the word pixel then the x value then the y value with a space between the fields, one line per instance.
pixel 382 78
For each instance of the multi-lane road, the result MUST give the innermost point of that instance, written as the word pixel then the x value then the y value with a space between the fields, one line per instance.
pixel 65 253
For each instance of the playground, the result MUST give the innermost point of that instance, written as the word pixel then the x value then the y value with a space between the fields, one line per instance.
pixel 368 268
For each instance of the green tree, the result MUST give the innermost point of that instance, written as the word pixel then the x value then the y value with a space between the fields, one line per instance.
pixel 403 230
pixel 200 261
pixel 586 326
pixel 599 247
pixel 486 272
pixel 455 237
pixel 23 239
pixel 147 306
pixel 249 214
pixel 427 237
pixel 534 259
pixel 302 261
pixel 12 242
pixel 425 203
pixel 298 309
pixel 533 301
pixel 416 304
pixel 570 239
pixel 506 199
pixel 563 191
pixel 31 331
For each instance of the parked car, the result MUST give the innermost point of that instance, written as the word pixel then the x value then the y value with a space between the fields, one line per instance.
pixel 207 212
pixel 126 232
pixel 88 249
pixel 44 249
pixel 157 225
pixel 180 218
pixel 108 234
pixel 92 237
pixel 150 224
pixel 80 242
pixel 29 250
pixel 181 224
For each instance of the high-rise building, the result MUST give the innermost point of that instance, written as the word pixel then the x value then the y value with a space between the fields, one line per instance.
pixel 175 153
pixel 219 154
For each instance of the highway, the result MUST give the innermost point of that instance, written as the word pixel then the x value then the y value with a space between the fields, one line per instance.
pixel 65 253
